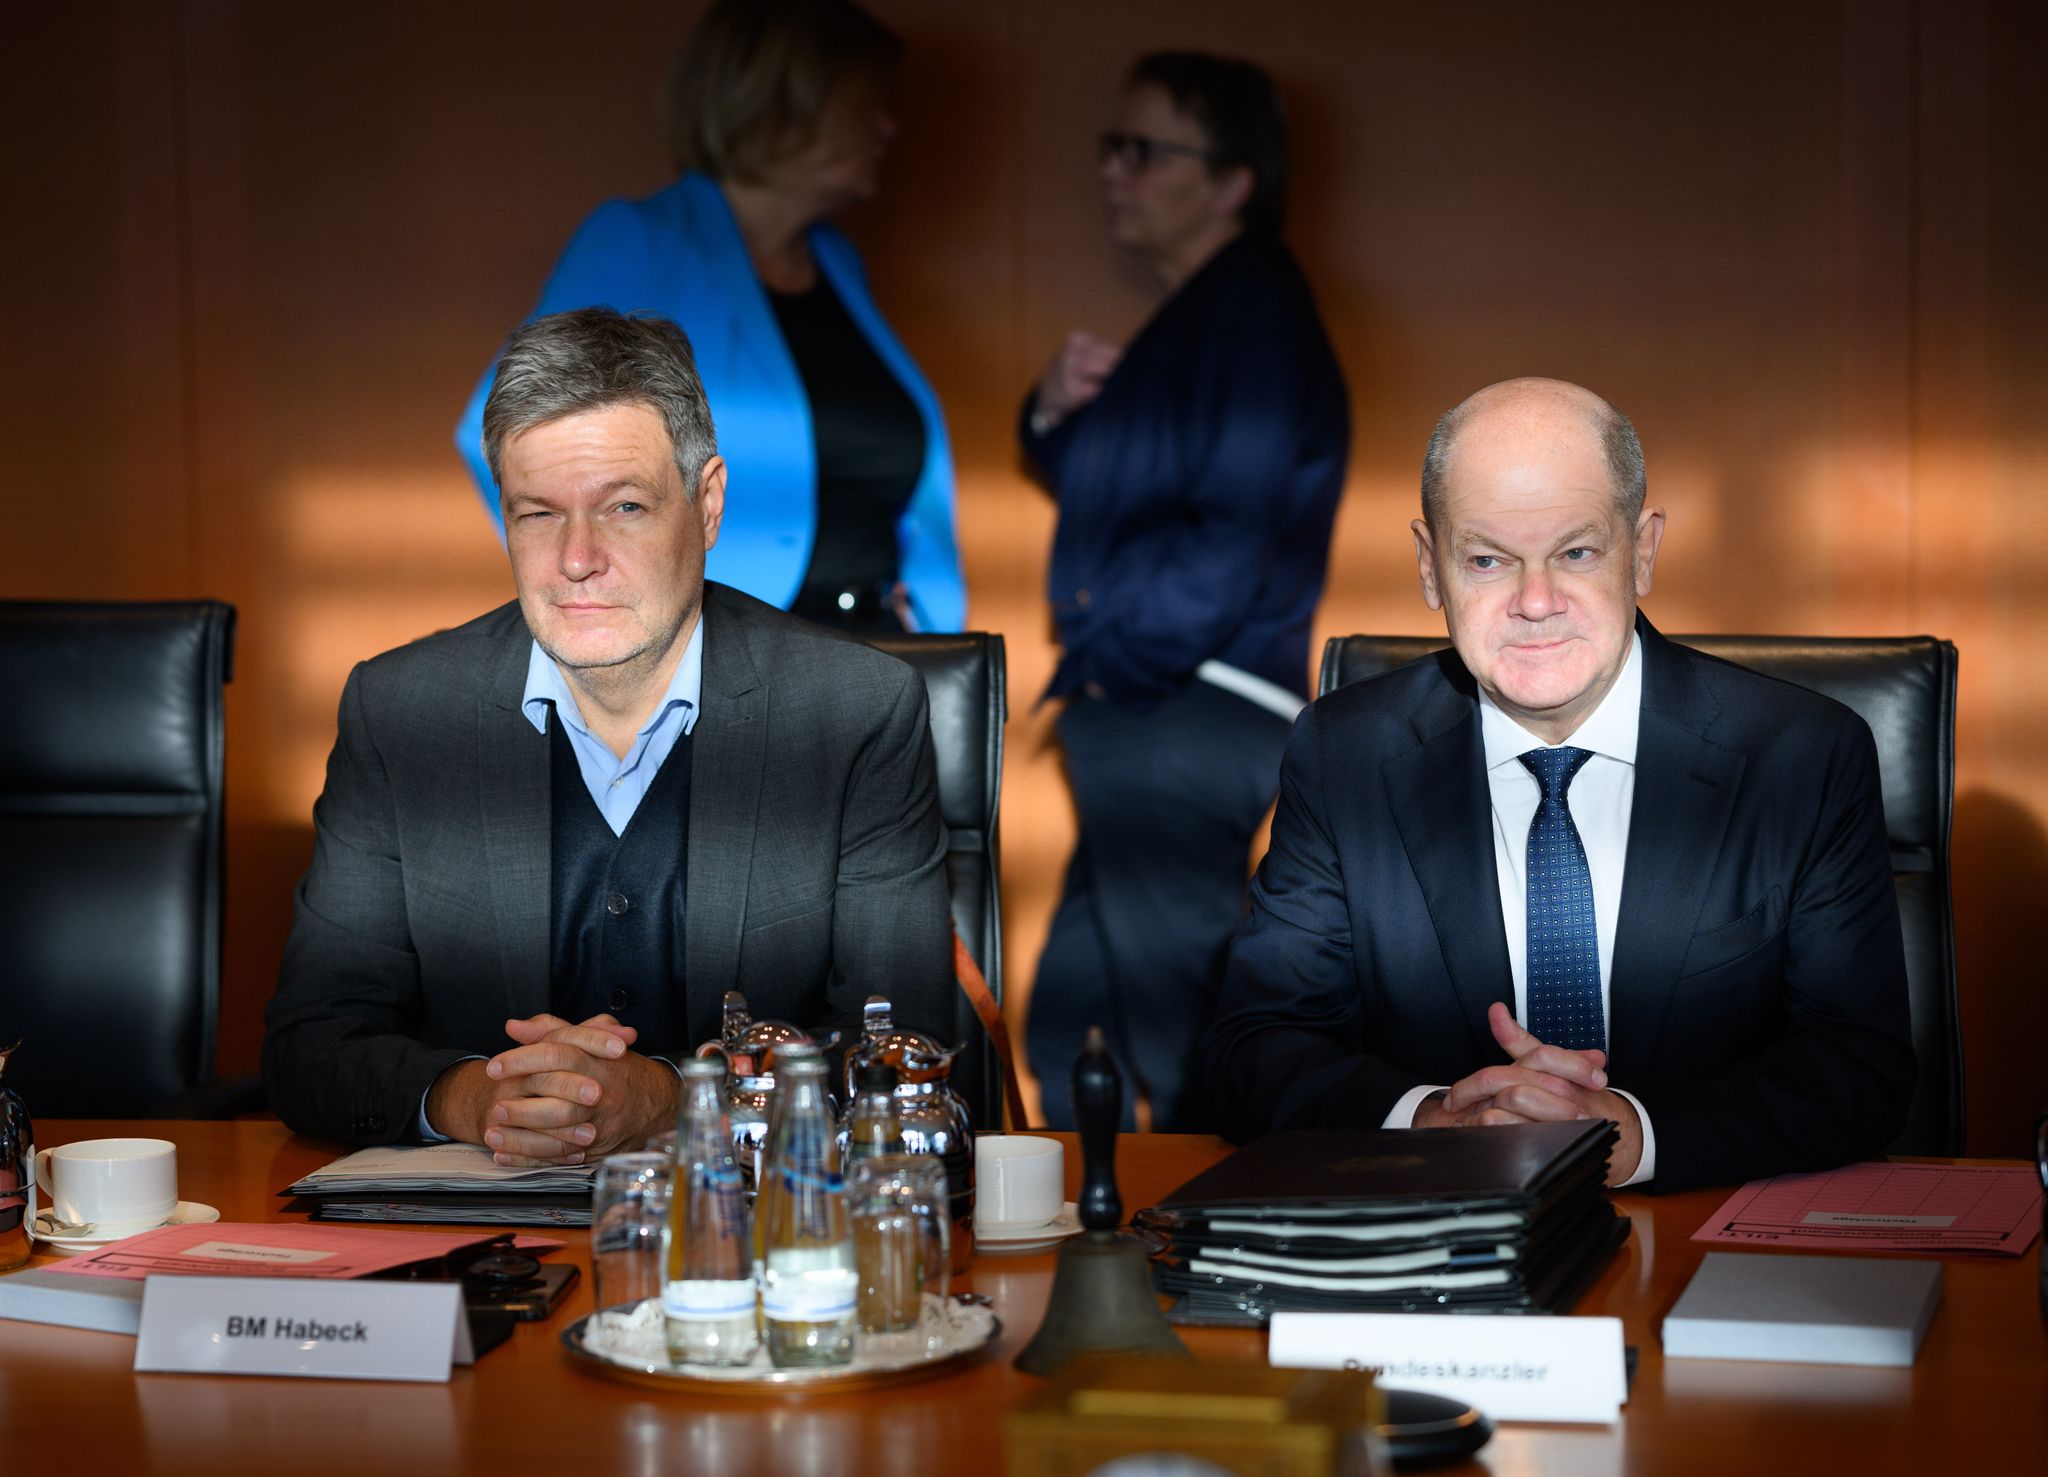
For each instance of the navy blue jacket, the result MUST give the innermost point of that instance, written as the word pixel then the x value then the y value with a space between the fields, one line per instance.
pixel 1197 490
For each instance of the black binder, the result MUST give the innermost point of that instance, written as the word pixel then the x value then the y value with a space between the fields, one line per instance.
pixel 1507 1219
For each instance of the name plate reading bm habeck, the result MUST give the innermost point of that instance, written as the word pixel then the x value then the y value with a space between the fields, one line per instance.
pixel 318 1329
pixel 1513 1369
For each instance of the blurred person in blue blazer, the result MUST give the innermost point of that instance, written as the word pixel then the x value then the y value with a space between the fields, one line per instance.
pixel 1197 471
pixel 842 511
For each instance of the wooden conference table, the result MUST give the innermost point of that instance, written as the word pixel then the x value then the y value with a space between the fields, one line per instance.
pixel 70 1402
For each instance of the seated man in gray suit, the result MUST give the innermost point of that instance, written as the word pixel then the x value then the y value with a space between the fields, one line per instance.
pixel 1569 869
pixel 553 838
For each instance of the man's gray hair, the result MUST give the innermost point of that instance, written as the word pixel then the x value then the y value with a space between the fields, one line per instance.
pixel 593 359
pixel 1618 443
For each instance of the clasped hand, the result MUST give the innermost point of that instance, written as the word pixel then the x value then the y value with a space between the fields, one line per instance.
pixel 564 1092
pixel 1540 1083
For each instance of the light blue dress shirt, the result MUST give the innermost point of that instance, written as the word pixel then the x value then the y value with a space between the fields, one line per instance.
pixel 616 785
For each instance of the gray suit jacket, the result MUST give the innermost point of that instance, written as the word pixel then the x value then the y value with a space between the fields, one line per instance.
pixel 815 873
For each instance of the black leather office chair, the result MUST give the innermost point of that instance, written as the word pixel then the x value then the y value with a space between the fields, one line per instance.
pixel 1904 687
pixel 110 851
pixel 966 676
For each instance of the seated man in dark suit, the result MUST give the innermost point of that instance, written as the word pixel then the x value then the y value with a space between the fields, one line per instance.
pixel 1569 849
pixel 579 820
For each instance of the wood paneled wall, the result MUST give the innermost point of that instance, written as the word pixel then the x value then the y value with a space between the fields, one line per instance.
pixel 257 255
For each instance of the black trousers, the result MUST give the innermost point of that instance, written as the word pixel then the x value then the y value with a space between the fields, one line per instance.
pixel 1168 799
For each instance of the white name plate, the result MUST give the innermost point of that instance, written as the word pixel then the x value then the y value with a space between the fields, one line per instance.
pixel 321 1329
pixel 1511 1368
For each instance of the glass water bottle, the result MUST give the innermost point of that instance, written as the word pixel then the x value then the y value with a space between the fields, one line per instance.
pixel 809 1286
pixel 708 1295
pixel 784 1056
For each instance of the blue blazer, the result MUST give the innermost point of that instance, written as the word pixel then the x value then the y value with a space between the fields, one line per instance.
pixel 1758 1002
pixel 679 253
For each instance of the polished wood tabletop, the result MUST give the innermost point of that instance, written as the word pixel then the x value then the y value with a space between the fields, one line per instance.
pixel 1977 1400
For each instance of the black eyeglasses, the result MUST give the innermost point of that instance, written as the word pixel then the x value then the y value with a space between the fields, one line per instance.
pixel 1137 153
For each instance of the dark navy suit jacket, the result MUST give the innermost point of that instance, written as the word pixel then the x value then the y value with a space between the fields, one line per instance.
pixel 1757 1005
pixel 1197 490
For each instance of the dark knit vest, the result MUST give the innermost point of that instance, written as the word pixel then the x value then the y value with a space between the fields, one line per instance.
pixel 616 914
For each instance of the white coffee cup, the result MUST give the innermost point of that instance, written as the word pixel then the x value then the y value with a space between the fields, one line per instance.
pixel 1019 1182
pixel 113 1185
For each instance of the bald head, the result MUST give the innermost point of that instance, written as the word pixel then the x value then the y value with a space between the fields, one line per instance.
pixel 1537 408
pixel 1535 545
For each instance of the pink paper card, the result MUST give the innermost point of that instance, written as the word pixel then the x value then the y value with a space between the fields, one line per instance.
pixel 265 1249
pixel 1992 1209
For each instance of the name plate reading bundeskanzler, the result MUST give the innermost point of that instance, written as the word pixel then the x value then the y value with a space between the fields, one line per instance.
pixel 303 1327
pixel 1514 1369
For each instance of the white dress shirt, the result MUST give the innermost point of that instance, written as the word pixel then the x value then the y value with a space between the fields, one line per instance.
pixel 1600 798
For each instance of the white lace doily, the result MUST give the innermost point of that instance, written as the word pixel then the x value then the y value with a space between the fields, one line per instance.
pixel 636 1338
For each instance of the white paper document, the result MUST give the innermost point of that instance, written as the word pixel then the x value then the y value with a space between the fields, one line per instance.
pixel 1807 1309
pixel 431 1168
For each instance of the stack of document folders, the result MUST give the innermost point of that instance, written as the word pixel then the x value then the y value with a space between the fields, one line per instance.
pixel 452 1183
pixel 1508 1220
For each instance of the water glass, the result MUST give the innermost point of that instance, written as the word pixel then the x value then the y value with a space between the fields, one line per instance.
pixel 629 1228
pixel 901 1234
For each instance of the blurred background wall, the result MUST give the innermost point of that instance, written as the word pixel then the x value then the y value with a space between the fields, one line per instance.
pixel 256 256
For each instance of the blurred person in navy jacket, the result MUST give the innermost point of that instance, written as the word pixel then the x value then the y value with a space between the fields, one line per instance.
pixel 841 504
pixel 1197 471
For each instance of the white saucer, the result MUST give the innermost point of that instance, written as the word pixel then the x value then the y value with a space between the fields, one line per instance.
pixel 1016 1240
pixel 188 1213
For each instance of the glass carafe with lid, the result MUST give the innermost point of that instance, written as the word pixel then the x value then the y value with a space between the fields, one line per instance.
pixel 750 1048
pixel 932 1118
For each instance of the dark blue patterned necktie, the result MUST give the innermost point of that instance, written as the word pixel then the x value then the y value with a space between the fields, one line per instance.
pixel 1564 945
